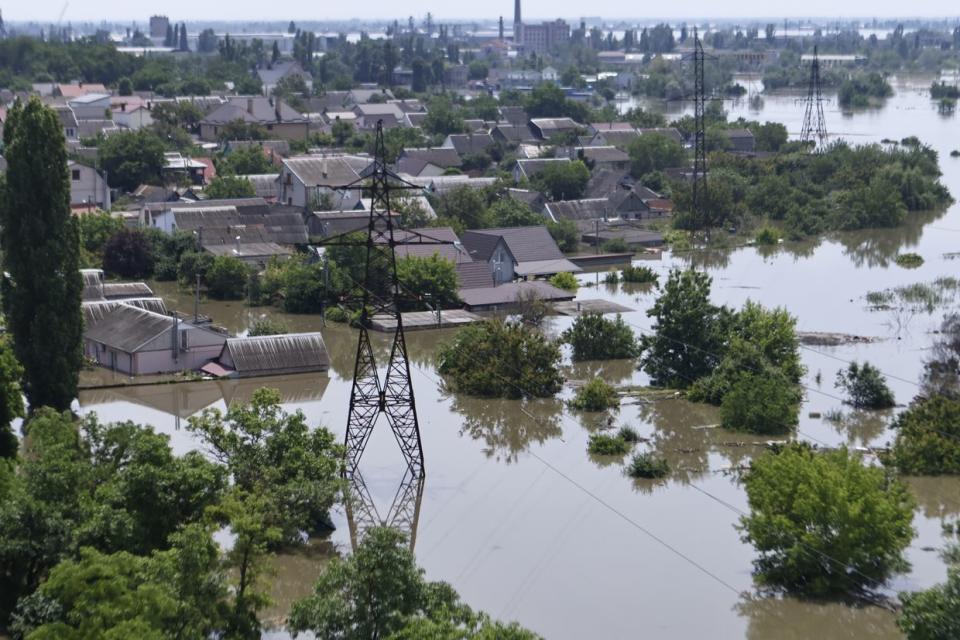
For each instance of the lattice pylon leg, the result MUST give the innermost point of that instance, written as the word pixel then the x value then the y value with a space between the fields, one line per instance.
pixel 365 402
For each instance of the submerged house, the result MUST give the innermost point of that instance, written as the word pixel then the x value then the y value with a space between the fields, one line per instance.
pixel 127 338
pixel 270 356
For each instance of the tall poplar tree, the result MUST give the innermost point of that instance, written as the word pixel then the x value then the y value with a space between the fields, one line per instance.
pixel 42 286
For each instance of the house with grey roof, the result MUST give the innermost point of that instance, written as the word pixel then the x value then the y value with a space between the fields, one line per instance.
pixel 429 241
pixel 620 138
pixel 547 128
pixel 222 222
pixel 670 132
pixel 313 183
pixel 428 162
pixel 507 295
pixel 273 114
pixel 363 95
pixel 605 157
pixel 271 75
pixel 513 134
pixel 514 115
pixel 369 114
pixel 468 144
pixel 741 140
pixel 531 251
pixel 264 185
pixel 136 341
pixel 586 209
pixel 255 254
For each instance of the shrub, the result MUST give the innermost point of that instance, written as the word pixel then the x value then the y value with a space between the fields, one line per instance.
pixel 226 278
pixel 807 506
pixel 565 281
pixel 337 314
pixel 596 395
pixel 501 359
pixel 267 327
pixel 603 444
pixel 593 337
pixel 909 260
pixel 628 434
pixel 767 236
pixel 765 403
pixel 615 245
pixel 647 465
pixel 612 277
pixel 865 387
pixel 639 275
pixel 928 437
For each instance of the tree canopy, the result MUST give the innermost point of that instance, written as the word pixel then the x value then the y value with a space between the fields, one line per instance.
pixel 132 158
pixel 594 337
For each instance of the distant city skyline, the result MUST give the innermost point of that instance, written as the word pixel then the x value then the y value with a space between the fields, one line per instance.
pixel 241 10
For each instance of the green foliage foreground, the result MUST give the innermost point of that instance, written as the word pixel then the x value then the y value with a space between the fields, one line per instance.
pixel 824 524
pixel 379 592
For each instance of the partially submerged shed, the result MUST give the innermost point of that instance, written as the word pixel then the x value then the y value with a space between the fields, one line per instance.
pixel 272 355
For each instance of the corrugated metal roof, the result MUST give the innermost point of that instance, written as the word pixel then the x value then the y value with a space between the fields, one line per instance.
pixel 221 225
pixel 269 355
pixel 321 171
pixel 587 209
pixel 546 267
pixel 127 328
pixel 248 250
pixel 507 293
pixel 120 290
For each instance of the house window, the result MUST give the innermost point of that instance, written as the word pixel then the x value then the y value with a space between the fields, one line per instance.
pixel 75 175
pixel 70 132
pixel 269 127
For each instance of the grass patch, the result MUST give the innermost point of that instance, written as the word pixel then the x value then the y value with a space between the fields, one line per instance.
pixel 921 296
pixel 909 260
pixel 337 314
pixel 602 444
pixel 612 277
pixel 639 275
pixel 628 434
pixel 647 465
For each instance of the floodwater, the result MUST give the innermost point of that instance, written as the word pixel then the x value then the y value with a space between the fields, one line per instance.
pixel 527 526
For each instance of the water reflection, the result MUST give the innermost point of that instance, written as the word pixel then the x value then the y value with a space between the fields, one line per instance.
pixel 792 619
pixel 681 435
pixel 611 371
pixel 403 514
pixel 185 399
pixel 937 496
pixel 878 247
pixel 508 427
pixel 862 428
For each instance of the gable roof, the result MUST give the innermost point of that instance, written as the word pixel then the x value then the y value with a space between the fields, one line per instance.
pixel 474 275
pixel 282 69
pixel 257 109
pixel 469 143
pixel 548 127
pixel 606 182
pixel 530 167
pixel 278 354
pixel 514 133
pixel 603 154
pixel 587 209
pixel 222 224
pixel 527 244
pixel 127 328
pixel 671 132
pixel 617 137
pixel 321 171
pixel 427 241
pixel 514 115
pixel 413 161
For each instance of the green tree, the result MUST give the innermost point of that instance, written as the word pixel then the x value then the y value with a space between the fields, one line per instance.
pixel 765 403
pixel 596 395
pixel 824 523
pixel 442 119
pixel 928 437
pixel 566 281
pixel 275 454
pixel 501 359
pixel 509 212
pixel 267 327
pixel 40 240
pixel 565 234
pixel 11 399
pixel 464 207
pixel 689 333
pixel 933 614
pixel 96 228
pixel 865 387
pixel 225 186
pixel 594 337
pixel 249 160
pixel 132 158
pixel 129 254
pixel 563 180
pixel 654 152
pixel 433 279
pixel 341 130
pixel 124 87
pixel 379 592
pixel 769 136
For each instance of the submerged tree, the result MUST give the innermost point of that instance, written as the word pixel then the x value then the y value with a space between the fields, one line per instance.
pixel 594 337
pixel 823 523
pixel 865 387
pixel 40 240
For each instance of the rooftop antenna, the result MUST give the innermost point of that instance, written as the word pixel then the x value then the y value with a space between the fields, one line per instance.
pixel 814 124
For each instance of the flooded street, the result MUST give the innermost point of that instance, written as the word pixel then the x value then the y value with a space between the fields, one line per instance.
pixel 527 526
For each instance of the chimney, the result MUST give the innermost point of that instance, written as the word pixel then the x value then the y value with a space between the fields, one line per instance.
pixel 250 106
pixel 123 106
pixel 276 109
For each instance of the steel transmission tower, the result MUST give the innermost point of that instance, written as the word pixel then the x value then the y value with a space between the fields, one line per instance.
pixel 814 124
pixel 374 393
pixel 403 515
pixel 700 196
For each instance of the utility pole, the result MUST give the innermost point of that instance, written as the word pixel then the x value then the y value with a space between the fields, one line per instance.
pixel 196 300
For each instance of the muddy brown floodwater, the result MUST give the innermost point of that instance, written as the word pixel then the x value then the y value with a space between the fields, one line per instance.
pixel 511 513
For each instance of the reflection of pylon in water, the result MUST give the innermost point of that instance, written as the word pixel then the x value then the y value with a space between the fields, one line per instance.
pixel 814 124
pixel 403 515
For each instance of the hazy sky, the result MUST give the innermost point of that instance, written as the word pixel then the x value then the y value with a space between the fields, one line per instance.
pixel 95 10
